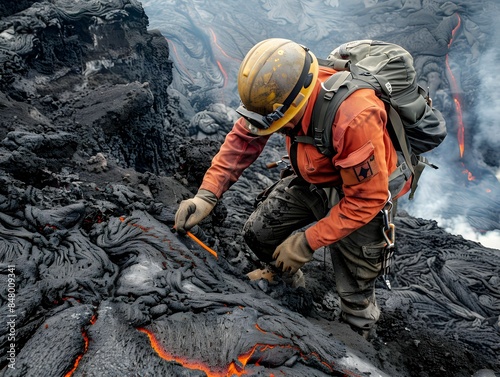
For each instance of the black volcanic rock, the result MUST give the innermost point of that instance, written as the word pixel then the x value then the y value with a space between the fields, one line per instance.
pixel 93 70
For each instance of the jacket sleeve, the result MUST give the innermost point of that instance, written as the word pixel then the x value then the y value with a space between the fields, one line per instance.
pixel 239 150
pixel 363 147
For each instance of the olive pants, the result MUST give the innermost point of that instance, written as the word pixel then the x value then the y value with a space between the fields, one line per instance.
pixel 293 204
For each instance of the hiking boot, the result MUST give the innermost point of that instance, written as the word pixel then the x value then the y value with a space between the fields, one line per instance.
pixel 295 281
pixel 262 273
pixel 368 334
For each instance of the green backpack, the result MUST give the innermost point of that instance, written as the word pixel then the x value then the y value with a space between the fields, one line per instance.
pixel 414 125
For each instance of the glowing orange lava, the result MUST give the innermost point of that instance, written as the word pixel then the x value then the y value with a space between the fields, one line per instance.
pixel 461 128
pixel 258 328
pixel 179 61
pixel 77 361
pixel 223 73
pixel 232 369
pixel 458 107
pixel 214 37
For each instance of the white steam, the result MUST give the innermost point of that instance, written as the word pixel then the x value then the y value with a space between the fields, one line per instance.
pixel 460 206
pixel 455 204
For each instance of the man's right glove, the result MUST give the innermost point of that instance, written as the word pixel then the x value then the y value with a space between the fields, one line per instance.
pixel 293 253
pixel 192 211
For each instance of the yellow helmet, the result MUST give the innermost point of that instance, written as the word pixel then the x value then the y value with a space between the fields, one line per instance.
pixel 275 80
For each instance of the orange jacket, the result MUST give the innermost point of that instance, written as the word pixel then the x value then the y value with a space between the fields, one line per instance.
pixel 363 161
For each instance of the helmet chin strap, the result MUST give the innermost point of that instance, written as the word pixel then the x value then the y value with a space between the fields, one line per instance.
pixel 275 115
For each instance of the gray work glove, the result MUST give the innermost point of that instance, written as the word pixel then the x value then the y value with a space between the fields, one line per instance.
pixel 293 253
pixel 192 211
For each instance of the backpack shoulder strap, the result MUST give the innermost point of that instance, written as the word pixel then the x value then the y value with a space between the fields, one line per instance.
pixel 336 64
pixel 333 91
pixel 399 131
pixel 415 164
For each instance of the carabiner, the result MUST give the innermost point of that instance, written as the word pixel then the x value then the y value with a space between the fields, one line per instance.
pixel 390 235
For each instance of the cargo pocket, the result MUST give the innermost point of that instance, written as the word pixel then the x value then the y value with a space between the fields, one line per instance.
pixel 372 255
pixel 364 260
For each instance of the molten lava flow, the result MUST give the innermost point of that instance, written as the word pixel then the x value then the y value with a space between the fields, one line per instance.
pixel 458 107
pixel 179 61
pixel 77 361
pixel 239 369
pixel 155 344
pixel 264 331
pixel 219 64
pixel 214 37
pixel 234 368
pixel 461 127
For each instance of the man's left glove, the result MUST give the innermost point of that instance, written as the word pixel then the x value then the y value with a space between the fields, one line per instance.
pixel 293 253
pixel 192 211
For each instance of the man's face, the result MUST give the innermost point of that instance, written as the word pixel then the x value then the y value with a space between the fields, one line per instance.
pixel 295 120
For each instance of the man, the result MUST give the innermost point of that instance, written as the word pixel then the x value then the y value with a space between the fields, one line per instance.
pixel 341 196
